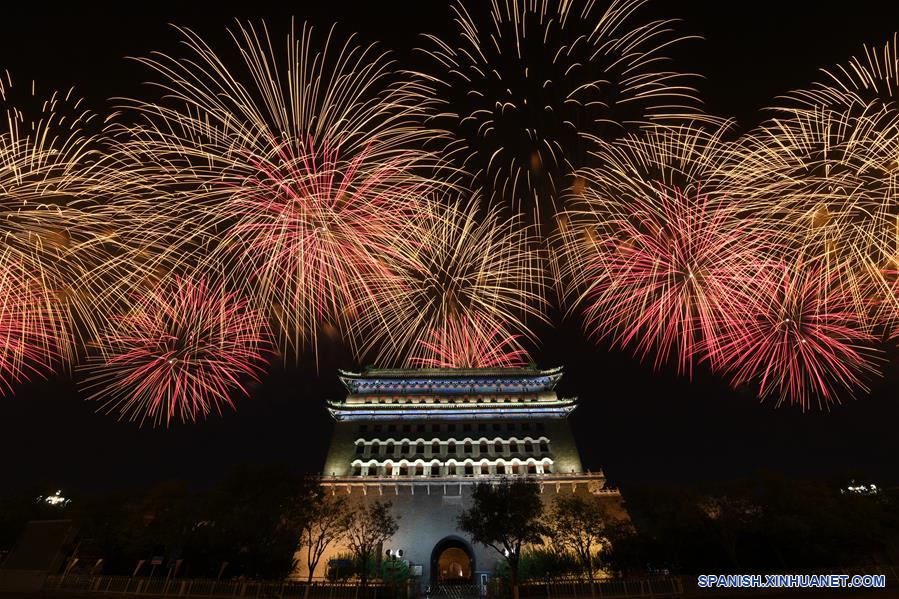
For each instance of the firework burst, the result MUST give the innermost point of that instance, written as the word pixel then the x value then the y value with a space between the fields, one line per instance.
pixel 519 89
pixel 182 352
pixel 648 252
pixel 463 278
pixel 291 178
pixel 51 236
pixel 796 335
pixel 663 272
pixel 824 185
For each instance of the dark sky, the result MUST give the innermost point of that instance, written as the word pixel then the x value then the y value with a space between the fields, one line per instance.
pixel 635 424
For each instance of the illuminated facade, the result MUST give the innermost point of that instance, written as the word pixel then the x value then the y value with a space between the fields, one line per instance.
pixel 422 438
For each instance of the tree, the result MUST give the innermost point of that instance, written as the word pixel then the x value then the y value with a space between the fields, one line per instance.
pixel 369 527
pixel 505 516
pixel 580 525
pixel 322 519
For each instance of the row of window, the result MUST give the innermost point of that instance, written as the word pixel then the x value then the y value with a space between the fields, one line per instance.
pixel 444 399
pixel 452 448
pixel 439 469
pixel 451 427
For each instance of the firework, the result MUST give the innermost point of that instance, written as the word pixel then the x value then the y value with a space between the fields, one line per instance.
pixel 872 78
pixel 182 352
pixel 653 246
pixel 518 90
pixel 823 183
pixel 796 334
pixel 291 178
pixel 463 343
pixel 464 278
pixel 30 341
pixel 661 280
pixel 311 231
pixel 52 238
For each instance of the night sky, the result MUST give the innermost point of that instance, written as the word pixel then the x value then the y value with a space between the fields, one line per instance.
pixel 636 424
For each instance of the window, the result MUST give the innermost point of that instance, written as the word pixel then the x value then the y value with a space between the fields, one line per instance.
pixel 435 447
pixel 451 428
pixel 529 447
pixel 469 470
pixel 498 447
pixel 372 470
pixel 435 469
pixel 468 447
pixel 451 447
pixel 435 428
pixel 547 468
pixel 513 446
pixel 544 447
pixel 525 426
pixel 404 470
pixel 420 428
pixel 482 447
pixel 407 428
pixel 420 470
pixel 391 428
pixel 390 448
pixel 420 448
pixel 404 449
pixel 377 428
pixel 357 470
pixel 360 448
pixel 497 426
pixel 482 426
pixel 375 448
pixel 532 468
pixel 510 426
pixel 466 427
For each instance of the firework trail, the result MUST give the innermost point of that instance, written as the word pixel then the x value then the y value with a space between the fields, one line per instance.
pixel 181 353
pixel 465 343
pixel 872 78
pixel 465 277
pixel 796 335
pixel 29 339
pixel 292 178
pixel 518 90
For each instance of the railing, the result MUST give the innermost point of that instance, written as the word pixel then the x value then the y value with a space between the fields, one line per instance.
pixel 660 588
pixel 177 587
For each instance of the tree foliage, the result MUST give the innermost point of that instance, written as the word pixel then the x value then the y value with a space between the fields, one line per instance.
pixel 506 516
pixel 370 526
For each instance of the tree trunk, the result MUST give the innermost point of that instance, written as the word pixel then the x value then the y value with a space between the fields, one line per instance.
pixel 513 577
pixel 309 580
pixel 590 574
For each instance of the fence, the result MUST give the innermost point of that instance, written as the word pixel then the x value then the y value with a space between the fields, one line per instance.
pixel 661 587
pixel 176 587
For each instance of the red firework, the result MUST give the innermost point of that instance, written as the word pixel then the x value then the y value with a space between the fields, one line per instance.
pixel 797 334
pixel 662 271
pixel 30 339
pixel 310 230
pixel 470 343
pixel 181 353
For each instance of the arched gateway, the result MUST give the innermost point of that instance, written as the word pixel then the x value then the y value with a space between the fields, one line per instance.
pixel 422 439
pixel 452 562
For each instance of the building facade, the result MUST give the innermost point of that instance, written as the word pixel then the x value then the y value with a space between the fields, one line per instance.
pixel 422 439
